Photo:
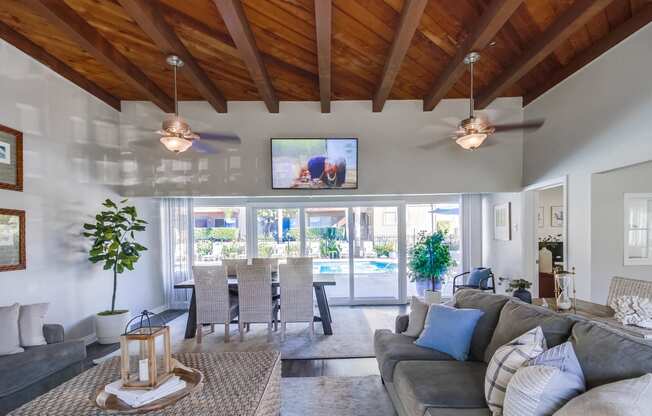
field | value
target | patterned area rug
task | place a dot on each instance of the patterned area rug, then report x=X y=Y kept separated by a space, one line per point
x=334 y=396
x=353 y=332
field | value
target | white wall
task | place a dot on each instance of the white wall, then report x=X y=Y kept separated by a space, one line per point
x=596 y=120
x=71 y=155
x=391 y=157
x=607 y=225
x=504 y=257
x=548 y=198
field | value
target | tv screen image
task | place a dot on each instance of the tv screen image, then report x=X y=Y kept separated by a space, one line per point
x=323 y=163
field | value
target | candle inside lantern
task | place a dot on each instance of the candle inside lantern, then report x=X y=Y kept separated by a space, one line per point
x=143 y=369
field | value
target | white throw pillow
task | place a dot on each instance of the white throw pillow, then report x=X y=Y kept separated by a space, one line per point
x=506 y=361
x=9 y=338
x=631 y=397
x=30 y=324
x=418 y=312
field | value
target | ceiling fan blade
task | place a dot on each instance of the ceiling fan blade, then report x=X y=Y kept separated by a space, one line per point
x=200 y=147
x=228 y=138
x=526 y=125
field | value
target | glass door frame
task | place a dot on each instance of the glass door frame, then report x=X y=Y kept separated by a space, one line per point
x=301 y=203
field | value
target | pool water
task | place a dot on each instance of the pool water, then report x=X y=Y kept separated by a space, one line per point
x=361 y=266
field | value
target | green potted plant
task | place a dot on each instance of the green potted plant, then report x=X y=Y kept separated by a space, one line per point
x=519 y=288
x=429 y=260
x=114 y=246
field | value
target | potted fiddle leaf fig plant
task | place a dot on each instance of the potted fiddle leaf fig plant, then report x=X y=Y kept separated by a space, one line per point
x=114 y=245
x=430 y=258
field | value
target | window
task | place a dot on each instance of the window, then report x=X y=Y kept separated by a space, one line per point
x=389 y=218
x=638 y=229
x=219 y=234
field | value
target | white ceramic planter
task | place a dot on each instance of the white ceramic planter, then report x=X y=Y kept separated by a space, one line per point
x=431 y=297
x=108 y=328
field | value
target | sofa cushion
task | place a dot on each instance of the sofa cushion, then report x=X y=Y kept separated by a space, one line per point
x=10 y=339
x=35 y=363
x=392 y=348
x=518 y=317
x=417 y=319
x=439 y=384
x=607 y=355
x=491 y=305
x=440 y=411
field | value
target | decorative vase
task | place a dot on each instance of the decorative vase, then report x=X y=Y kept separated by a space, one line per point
x=432 y=296
x=108 y=328
x=523 y=294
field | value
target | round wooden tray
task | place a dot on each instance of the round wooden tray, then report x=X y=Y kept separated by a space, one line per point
x=111 y=404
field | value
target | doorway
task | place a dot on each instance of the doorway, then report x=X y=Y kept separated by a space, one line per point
x=546 y=240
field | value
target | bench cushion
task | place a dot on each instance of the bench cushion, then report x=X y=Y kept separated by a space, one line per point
x=607 y=355
x=440 y=384
x=516 y=318
x=392 y=348
x=491 y=305
x=36 y=363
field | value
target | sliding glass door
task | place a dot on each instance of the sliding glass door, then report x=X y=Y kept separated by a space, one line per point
x=327 y=241
x=375 y=253
x=278 y=232
x=219 y=233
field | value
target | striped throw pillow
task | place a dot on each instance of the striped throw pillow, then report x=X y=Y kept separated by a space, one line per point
x=506 y=361
x=545 y=384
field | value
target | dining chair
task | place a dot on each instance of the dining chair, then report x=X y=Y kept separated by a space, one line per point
x=295 y=279
x=255 y=298
x=297 y=261
x=264 y=261
x=232 y=264
x=214 y=303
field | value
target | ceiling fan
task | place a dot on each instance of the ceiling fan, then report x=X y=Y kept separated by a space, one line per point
x=474 y=130
x=176 y=134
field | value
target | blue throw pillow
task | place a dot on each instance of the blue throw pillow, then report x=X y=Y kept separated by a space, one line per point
x=449 y=330
x=478 y=275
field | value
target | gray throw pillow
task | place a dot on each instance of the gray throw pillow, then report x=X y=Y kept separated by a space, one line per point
x=545 y=383
x=632 y=397
x=30 y=324
x=10 y=339
x=418 y=312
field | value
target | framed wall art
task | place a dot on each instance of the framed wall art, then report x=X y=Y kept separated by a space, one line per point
x=557 y=217
x=11 y=159
x=12 y=240
x=503 y=222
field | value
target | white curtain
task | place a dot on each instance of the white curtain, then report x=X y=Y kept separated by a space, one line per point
x=176 y=233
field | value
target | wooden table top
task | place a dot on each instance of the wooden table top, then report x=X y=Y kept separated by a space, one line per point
x=233 y=282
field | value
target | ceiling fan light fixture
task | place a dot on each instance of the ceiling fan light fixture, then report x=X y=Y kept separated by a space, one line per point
x=471 y=141
x=176 y=144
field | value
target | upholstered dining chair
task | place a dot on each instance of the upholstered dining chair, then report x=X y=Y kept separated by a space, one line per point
x=255 y=298
x=214 y=303
x=264 y=261
x=232 y=264
x=481 y=278
x=295 y=279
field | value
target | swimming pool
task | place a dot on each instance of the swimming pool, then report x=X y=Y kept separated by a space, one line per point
x=375 y=266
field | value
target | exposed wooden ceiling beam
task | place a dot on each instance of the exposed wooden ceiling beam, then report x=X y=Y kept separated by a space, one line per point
x=622 y=32
x=236 y=22
x=73 y=25
x=410 y=18
x=148 y=16
x=30 y=48
x=323 y=23
x=486 y=28
x=576 y=16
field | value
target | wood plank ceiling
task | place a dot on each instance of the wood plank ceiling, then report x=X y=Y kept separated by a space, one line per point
x=317 y=50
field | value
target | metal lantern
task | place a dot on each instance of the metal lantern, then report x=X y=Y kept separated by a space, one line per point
x=144 y=369
x=565 y=290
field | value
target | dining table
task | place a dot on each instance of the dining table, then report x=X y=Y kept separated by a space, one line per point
x=319 y=284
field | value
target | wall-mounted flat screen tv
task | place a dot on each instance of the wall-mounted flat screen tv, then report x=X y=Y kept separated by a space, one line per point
x=322 y=163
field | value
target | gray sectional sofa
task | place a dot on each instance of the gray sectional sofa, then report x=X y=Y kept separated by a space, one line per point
x=425 y=382
x=33 y=372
